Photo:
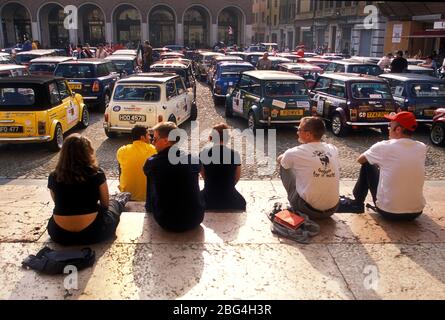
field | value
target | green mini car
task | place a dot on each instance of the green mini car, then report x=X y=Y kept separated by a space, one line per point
x=268 y=98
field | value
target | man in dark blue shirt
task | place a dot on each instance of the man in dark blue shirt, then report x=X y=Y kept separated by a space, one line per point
x=173 y=194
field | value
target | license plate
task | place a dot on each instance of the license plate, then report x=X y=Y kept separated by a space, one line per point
x=132 y=117
x=75 y=86
x=374 y=115
x=428 y=113
x=11 y=129
x=297 y=112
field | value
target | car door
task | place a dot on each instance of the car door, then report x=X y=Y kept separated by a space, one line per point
x=239 y=94
x=173 y=102
x=70 y=104
x=59 y=108
x=184 y=99
x=320 y=96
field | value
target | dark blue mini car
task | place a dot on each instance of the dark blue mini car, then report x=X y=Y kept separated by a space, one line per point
x=94 y=79
x=227 y=75
x=417 y=93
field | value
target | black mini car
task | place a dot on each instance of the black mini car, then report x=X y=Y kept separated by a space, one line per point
x=350 y=101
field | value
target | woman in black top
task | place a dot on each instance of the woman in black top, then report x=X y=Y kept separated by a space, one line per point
x=221 y=171
x=83 y=212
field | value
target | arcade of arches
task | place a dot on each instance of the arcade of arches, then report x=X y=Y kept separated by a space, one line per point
x=196 y=27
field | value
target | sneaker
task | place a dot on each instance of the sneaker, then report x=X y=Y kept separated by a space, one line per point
x=348 y=205
x=122 y=198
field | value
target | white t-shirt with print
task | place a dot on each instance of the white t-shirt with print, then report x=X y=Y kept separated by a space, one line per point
x=402 y=174
x=317 y=173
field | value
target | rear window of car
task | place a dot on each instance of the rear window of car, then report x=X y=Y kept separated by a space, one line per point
x=17 y=97
x=47 y=67
x=231 y=71
x=123 y=65
x=137 y=93
x=364 y=69
x=428 y=89
x=25 y=58
x=370 y=90
x=75 y=71
x=285 y=88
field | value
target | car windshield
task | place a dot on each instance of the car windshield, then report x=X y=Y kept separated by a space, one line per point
x=364 y=69
x=285 y=88
x=370 y=90
x=75 y=71
x=21 y=97
x=431 y=89
x=146 y=93
x=123 y=65
x=48 y=67
x=306 y=74
x=24 y=58
x=234 y=71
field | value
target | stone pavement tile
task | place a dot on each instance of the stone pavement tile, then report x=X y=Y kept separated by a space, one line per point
x=17 y=194
x=392 y=271
x=183 y=271
x=24 y=223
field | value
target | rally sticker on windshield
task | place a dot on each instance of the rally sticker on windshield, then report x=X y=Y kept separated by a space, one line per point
x=303 y=104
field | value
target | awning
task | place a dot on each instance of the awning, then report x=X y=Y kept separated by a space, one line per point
x=427 y=34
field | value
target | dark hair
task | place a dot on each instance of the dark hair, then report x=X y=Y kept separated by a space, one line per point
x=138 y=131
x=164 y=128
x=221 y=129
x=77 y=160
x=314 y=125
x=400 y=53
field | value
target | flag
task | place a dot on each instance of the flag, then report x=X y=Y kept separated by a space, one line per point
x=230 y=30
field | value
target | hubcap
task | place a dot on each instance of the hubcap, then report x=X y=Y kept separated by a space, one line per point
x=437 y=134
x=85 y=117
x=336 y=125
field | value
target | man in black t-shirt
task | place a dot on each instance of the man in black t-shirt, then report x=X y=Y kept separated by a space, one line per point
x=399 y=64
x=221 y=171
x=173 y=188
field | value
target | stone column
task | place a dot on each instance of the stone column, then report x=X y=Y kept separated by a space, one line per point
x=73 y=36
x=248 y=32
x=144 y=32
x=179 y=34
x=108 y=32
x=213 y=34
x=36 y=31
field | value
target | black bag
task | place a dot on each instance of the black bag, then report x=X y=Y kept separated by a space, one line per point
x=50 y=261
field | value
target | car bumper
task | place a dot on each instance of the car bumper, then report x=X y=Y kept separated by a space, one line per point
x=25 y=139
x=269 y=122
x=91 y=98
x=368 y=124
x=117 y=129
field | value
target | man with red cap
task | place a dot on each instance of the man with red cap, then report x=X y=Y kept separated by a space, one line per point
x=394 y=171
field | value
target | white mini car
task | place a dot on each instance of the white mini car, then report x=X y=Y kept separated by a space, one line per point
x=147 y=100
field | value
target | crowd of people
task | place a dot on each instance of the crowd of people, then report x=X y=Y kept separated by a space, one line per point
x=392 y=171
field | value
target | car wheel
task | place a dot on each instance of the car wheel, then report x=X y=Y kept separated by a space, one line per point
x=56 y=143
x=172 y=118
x=229 y=111
x=85 y=121
x=252 y=123
x=337 y=127
x=437 y=134
x=110 y=134
x=105 y=102
x=193 y=112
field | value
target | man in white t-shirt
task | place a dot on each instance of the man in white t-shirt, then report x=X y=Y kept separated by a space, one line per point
x=394 y=171
x=310 y=172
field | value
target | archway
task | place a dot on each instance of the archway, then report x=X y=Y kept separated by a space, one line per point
x=16 y=24
x=196 y=27
x=91 y=24
x=54 y=34
x=162 y=26
x=230 y=26
x=127 y=21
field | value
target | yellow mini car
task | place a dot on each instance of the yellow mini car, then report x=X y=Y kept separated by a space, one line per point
x=39 y=109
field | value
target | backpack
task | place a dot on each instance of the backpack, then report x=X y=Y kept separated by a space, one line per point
x=50 y=261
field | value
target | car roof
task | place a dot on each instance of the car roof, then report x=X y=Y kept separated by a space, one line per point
x=350 y=77
x=4 y=67
x=350 y=61
x=272 y=75
x=125 y=52
x=409 y=77
x=419 y=68
x=210 y=53
x=235 y=63
x=156 y=77
x=279 y=59
x=311 y=59
x=37 y=52
x=256 y=53
x=30 y=79
x=52 y=59
x=4 y=54
x=86 y=61
x=300 y=66
x=232 y=58
x=171 y=65
x=121 y=57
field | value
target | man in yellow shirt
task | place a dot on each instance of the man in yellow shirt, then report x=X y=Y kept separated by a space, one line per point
x=132 y=158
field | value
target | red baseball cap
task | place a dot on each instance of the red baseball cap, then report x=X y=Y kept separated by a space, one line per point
x=406 y=119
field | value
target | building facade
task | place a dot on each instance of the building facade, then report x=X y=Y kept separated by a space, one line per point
x=193 y=23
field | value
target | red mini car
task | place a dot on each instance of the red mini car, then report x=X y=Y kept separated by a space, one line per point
x=437 y=134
